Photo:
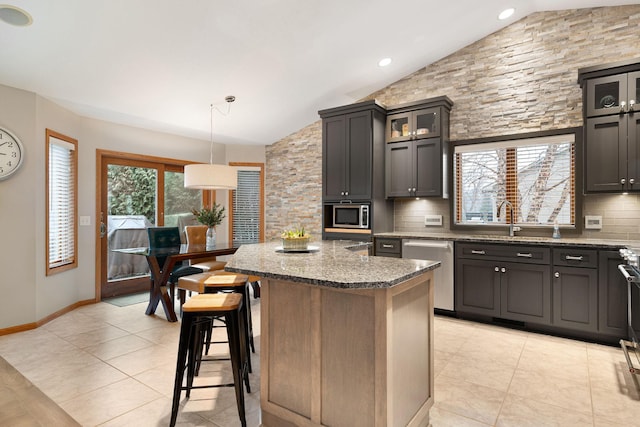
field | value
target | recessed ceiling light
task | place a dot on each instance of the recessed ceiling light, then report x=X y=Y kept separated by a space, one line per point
x=384 y=62
x=15 y=16
x=506 y=13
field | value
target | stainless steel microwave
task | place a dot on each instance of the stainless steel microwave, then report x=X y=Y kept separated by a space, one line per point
x=350 y=215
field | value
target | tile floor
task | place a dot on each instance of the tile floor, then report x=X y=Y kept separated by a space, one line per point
x=114 y=366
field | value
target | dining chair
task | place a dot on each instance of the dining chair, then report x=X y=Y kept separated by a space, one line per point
x=197 y=235
x=169 y=237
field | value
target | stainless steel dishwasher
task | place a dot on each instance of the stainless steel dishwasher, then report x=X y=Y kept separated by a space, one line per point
x=435 y=250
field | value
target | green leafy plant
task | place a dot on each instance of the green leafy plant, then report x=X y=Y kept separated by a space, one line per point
x=295 y=233
x=210 y=217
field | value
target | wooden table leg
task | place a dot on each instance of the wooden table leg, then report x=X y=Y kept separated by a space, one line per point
x=158 y=292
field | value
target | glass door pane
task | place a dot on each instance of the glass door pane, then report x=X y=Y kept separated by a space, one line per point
x=604 y=95
x=427 y=123
x=634 y=91
x=131 y=208
x=179 y=201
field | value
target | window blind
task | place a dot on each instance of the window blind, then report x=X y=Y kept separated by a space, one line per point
x=246 y=207
x=62 y=203
x=537 y=176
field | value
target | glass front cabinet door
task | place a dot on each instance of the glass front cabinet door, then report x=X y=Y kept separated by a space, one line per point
x=418 y=124
x=617 y=94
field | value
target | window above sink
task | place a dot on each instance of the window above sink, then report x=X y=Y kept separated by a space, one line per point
x=535 y=172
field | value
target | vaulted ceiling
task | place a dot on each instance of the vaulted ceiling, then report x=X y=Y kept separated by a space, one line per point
x=159 y=64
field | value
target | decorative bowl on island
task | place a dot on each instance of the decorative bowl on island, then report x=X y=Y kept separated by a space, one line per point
x=295 y=240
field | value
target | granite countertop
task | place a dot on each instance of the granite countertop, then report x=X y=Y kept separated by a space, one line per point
x=334 y=264
x=528 y=240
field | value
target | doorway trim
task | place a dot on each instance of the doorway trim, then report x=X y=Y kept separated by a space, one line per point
x=101 y=157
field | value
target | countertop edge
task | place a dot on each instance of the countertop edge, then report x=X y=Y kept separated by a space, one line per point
x=525 y=240
x=334 y=284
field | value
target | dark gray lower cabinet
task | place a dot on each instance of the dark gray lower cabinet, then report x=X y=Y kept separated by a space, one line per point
x=390 y=248
x=501 y=289
x=612 y=295
x=477 y=287
x=525 y=292
x=575 y=298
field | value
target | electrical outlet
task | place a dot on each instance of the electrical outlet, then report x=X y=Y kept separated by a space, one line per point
x=593 y=222
x=433 y=220
x=85 y=220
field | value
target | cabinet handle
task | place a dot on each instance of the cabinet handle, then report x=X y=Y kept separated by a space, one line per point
x=632 y=102
x=556 y=275
x=523 y=255
x=573 y=258
x=503 y=270
x=409 y=190
x=384 y=245
x=346 y=193
x=631 y=181
x=622 y=105
x=496 y=269
x=622 y=181
x=414 y=189
x=475 y=252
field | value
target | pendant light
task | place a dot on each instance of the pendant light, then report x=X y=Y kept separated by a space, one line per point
x=209 y=176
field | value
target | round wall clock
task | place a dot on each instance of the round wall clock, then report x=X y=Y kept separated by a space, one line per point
x=11 y=153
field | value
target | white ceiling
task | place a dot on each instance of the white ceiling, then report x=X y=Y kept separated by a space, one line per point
x=159 y=64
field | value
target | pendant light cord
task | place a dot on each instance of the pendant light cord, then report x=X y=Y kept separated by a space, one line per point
x=229 y=100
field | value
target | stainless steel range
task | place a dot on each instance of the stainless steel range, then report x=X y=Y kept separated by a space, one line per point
x=631 y=272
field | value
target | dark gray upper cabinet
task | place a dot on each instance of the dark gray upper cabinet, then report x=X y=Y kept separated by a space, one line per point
x=417 y=137
x=612 y=127
x=347 y=147
x=412 y=168
x=413 y=124
x=350 y=159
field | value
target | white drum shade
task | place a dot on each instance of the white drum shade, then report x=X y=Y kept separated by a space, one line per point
x=210 y=177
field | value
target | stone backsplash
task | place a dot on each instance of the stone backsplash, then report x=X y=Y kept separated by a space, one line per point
x=522 y=78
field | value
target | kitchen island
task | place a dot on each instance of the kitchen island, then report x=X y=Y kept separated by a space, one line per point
x=346 y=338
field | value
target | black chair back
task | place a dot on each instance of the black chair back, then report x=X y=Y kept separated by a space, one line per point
x=163 y=238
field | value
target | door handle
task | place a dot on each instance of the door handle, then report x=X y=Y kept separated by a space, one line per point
x=103 y=227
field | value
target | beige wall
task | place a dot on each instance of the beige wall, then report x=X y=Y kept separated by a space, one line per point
x=29 y=295
x=18 y=213
x=520 y=79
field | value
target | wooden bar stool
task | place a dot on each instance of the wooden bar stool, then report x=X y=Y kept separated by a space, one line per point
x=196 y=319
x=192 y=283
x=219 y=281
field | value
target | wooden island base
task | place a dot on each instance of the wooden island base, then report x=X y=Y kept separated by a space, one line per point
x=346 y=357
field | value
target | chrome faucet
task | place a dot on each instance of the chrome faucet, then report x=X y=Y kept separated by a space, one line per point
x=512 y=228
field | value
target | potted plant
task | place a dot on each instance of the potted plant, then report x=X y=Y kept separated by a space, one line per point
x=295 y=239
x=210 y=218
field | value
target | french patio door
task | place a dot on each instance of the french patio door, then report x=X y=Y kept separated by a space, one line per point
x=136 y=192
